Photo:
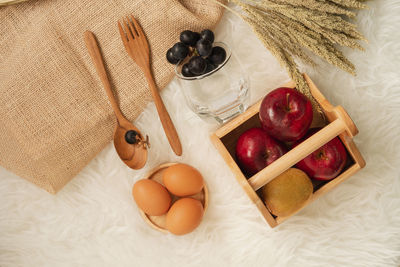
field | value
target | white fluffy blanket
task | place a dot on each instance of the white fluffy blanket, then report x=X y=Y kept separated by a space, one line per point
x=93 y=221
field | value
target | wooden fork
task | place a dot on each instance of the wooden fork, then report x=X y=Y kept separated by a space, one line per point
x=136 y=45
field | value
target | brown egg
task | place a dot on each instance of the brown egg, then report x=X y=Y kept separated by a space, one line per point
x=184 y=216
x=151 y=197
x=183 y=180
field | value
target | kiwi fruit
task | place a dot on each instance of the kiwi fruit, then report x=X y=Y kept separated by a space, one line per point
x=288 y=192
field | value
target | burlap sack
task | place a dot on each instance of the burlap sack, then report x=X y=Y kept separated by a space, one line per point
x=54 y=113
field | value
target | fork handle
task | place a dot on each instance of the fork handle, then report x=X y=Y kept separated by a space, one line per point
x=95 y=54
x=165 y=119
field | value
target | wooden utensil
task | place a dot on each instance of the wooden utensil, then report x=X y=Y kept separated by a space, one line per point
x=133 y=155
x=135 y=43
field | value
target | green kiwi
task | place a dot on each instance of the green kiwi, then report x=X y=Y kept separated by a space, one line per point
x=288 y=192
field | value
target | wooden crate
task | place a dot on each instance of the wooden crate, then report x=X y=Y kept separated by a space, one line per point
x=339 y=124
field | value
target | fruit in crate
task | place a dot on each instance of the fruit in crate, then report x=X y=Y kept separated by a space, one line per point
x=255 y=150
x=287 y=193
x=326 y=162
x=196 y=52
x=286 y=114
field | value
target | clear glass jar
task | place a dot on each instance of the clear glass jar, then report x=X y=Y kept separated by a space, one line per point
x=221 y=94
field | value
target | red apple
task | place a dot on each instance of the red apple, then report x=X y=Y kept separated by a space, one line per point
x=326 y=162
x=286 y=114
x=255 y=150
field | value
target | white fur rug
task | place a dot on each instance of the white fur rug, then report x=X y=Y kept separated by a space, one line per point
x=93 y=221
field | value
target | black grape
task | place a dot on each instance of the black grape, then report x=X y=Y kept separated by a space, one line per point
x=170 y=57
x=204 y=47
x=180 y=50
x=197 y=65
x=207 y=35
x=210 y=66
x=218 y=55
x=185 y=71
x=189 y=38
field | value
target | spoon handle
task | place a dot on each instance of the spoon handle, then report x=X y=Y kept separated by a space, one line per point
x=95 y=54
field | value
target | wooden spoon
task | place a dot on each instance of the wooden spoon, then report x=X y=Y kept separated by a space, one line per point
x=133 y=155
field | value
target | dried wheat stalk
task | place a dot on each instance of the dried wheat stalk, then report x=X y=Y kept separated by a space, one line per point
x=10 y=2
x=288 y=28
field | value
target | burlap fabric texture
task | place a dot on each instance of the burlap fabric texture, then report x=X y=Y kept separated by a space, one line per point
x=54 y=113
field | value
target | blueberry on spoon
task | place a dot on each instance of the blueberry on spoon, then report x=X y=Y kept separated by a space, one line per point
x=132 y=137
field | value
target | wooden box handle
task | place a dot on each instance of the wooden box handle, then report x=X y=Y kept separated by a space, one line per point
x=298 y=153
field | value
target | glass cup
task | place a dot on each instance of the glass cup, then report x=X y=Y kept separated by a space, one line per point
x=220 y=94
